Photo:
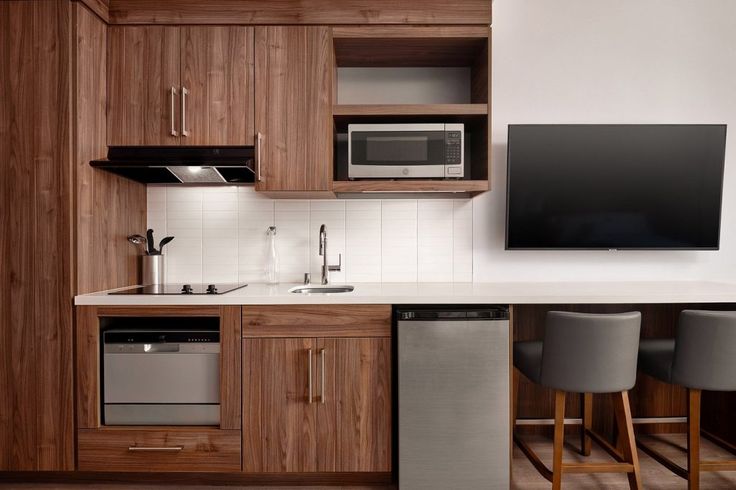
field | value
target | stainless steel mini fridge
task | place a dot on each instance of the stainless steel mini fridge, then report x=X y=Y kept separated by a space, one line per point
x=453 y=398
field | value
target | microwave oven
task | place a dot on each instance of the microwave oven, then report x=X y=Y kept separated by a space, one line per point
x=409 y=151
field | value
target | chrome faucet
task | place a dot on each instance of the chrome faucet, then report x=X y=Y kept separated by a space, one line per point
x=326 y=269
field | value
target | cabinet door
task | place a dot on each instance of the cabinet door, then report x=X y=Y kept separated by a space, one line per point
x=143 y=67
x=279 y=423
x=354 y=418
x=217 y=75
x=294 y=108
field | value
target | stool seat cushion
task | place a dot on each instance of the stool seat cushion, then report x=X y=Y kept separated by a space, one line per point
x=528 y=359
x=656 y=357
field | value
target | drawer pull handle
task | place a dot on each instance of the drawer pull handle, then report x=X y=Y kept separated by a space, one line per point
x=173 y=131
x=184 y=93
x=322 y=384
x=166 y=449
x=309 y=371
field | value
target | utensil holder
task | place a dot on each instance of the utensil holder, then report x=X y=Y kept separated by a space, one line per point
x=153 y=269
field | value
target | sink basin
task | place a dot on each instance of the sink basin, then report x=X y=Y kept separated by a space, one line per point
x=328 y=289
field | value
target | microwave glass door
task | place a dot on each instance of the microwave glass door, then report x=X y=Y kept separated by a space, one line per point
x=398 y=148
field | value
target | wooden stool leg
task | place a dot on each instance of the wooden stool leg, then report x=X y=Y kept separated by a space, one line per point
x=514 y=398
x=559 y=440
x=586 y=413
x=693 y=439
x=626 y=437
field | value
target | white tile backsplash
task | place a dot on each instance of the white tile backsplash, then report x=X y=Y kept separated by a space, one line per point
x=221 y=236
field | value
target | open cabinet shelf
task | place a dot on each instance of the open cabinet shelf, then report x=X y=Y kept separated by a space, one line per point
x=340 y=110
x=413 y=74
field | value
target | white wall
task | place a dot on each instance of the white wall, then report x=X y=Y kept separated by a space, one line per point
x=596 y=61
x=564 y=61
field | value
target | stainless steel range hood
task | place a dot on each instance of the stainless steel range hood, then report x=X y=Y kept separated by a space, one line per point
x=181 y=164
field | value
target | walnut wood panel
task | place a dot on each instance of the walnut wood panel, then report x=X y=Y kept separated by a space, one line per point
x=317 y=321
x=143 y=65
x=300 y=12
x=101 y=8
x=108 y=207
x=468 y=186
x=364 y=480
x=159 y=310
x=294 y=108
x=88 y=357
x=230 y=368
x=88 y=367
x=217 y=70
x=480 y=92
x=279 y=423
x=202 y=449
x=36 y=426
x=362 y=403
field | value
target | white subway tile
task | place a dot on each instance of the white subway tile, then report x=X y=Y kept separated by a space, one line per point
x=292 y=239
x=462 y=240
x=399 y=241
x=221 y=236
x=434 y=240
x=155 y=194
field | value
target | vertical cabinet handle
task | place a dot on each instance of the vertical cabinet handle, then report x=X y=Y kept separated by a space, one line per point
x=259 y=139
x=309 y=371
x=184 y=93
x=173 y=108
x=322 y=374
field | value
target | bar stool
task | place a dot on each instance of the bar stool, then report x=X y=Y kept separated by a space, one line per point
x=702 y=356
x=584 y=353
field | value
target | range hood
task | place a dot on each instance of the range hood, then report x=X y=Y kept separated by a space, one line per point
x=181 y=164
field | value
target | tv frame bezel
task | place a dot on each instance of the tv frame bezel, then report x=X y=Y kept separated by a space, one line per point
x=613 y=249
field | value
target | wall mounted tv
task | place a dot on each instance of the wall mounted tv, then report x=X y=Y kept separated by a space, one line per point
x=614 y=186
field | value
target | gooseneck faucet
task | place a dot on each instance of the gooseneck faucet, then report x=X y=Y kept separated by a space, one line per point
x=326 y=269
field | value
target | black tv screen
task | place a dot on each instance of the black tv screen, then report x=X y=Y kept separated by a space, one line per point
x=614 y=186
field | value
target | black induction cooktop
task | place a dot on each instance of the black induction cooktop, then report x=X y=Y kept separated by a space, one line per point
x=177 y=288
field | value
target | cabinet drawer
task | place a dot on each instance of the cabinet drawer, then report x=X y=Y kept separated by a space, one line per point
x=144 y=450
x=317 y=321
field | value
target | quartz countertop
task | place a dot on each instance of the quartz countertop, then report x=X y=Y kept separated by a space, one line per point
x=447 y=293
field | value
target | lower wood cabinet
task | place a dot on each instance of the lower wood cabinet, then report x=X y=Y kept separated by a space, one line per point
x=162 y=449
x=317 y=404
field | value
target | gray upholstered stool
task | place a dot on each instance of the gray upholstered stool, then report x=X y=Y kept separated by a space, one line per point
x=584 y=353
x=702 y=356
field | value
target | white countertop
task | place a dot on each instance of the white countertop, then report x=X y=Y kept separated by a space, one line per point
x=450 y=293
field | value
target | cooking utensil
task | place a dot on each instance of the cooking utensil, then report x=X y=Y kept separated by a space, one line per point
x=164 y=242
x=138 y=240
x=149 y=237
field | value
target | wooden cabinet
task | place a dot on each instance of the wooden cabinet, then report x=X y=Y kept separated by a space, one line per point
x=293 y=107
x=170 y=85
x=142 y=75
x=148 y=450
x=359 y=395
x=317 y=403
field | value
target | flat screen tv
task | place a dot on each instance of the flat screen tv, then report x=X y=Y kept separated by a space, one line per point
x=614 y=186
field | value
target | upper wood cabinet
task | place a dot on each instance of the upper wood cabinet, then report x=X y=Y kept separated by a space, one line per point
x=170 y=85
x=217 y=72
x=293 y=107
x=142 y=70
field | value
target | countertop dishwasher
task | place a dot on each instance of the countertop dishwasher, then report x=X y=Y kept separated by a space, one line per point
x=453 y=403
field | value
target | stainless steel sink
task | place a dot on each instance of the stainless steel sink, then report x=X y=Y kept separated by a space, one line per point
x=328 y=289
